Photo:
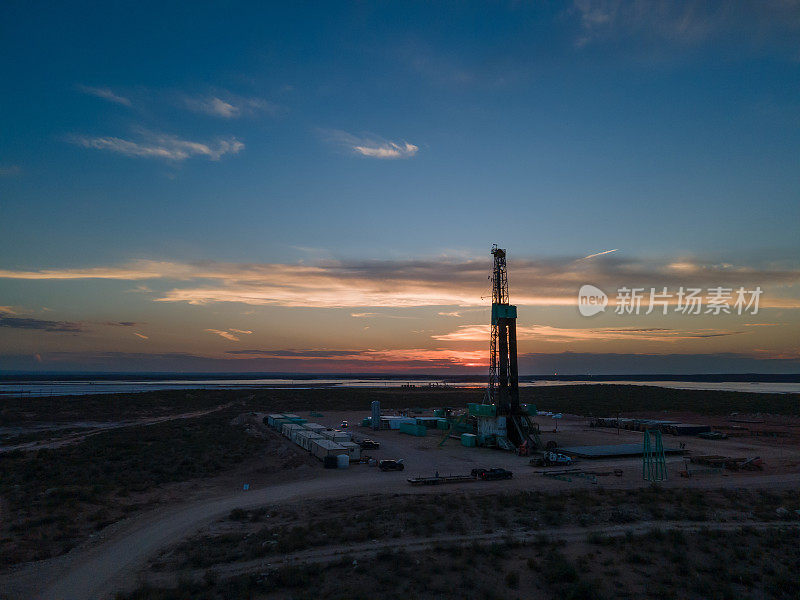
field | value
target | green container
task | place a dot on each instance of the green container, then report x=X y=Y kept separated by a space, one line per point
x=442 y=424
x=470 y=440
x=482 y=410
x=366 y=421
x=413 y=429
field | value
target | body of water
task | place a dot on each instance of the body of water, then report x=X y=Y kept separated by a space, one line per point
x=121 y=386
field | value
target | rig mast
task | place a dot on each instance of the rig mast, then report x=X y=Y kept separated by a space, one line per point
x=503 y=388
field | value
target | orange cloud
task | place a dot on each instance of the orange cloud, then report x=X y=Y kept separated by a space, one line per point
x=545 y=333
x=230 y=334
x=411 y=283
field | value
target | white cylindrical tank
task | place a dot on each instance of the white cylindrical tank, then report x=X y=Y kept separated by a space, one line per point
x=376 y=415
x=342 y=461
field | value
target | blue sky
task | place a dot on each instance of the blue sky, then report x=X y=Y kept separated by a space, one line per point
x=310 y=134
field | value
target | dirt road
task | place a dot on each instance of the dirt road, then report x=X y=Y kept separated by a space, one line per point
x=110 y=563
x=95 y=428
x=334 y=553
x=111 y=560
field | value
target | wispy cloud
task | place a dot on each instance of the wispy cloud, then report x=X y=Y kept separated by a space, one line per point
x=161 y=146
x=229 y=106
x=599 y=253
x=104 y=93
x=431 y=357
x=546 y=333
x=141 y=335
x=427 y=282
x=40 y=324
x=682 y=23
x=9 y=170
x=371 y=146
x=387 y=150
x=230 y=334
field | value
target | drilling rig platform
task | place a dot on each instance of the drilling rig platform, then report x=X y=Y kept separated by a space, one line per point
x=501 y=420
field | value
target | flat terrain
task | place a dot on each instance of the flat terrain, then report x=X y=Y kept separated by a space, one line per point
x=197 y=499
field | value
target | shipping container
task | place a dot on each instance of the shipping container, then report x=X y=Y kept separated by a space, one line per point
x=395 y=422
x=305 y=438
x=322 y=448
x=271 y=419
x=470 y=440
x=353 y=450
x=279 y=422
x=335 y=435
x=413 y=429
x=288 y=429
x=482 y=410
x=688 y=429
x=314 y=427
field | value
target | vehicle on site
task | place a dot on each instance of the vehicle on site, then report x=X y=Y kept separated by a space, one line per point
x=492 y=474
x=344 y=425
x=552 y=458
x=369 y=444
x=391 y=465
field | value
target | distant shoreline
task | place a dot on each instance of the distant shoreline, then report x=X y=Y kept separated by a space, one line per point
x=89 y=385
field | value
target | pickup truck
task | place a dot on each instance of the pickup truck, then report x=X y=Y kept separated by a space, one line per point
x=491 y=474
x=552 y=458
x=391 y=465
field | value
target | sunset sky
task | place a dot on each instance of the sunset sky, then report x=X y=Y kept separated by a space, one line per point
x=316 y=187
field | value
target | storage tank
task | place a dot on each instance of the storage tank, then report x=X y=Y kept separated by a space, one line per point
x=342 y=461
x=376 y=414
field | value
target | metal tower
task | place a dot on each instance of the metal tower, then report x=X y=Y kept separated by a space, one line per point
x=503 y=388
x=654 y=464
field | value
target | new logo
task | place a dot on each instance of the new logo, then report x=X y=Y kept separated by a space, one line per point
x=591 y=300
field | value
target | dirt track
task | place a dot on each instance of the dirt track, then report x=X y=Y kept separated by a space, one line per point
x=111 y=561
x=335 y=553
x=74 y=438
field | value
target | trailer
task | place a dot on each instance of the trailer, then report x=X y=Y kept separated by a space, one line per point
x=441 y=480
x=353 y=450
x=304 y=439
x=335 y=435
x=322 y=448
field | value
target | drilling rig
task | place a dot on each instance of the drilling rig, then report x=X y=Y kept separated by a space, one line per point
x=511 y=423
x=501 y=421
